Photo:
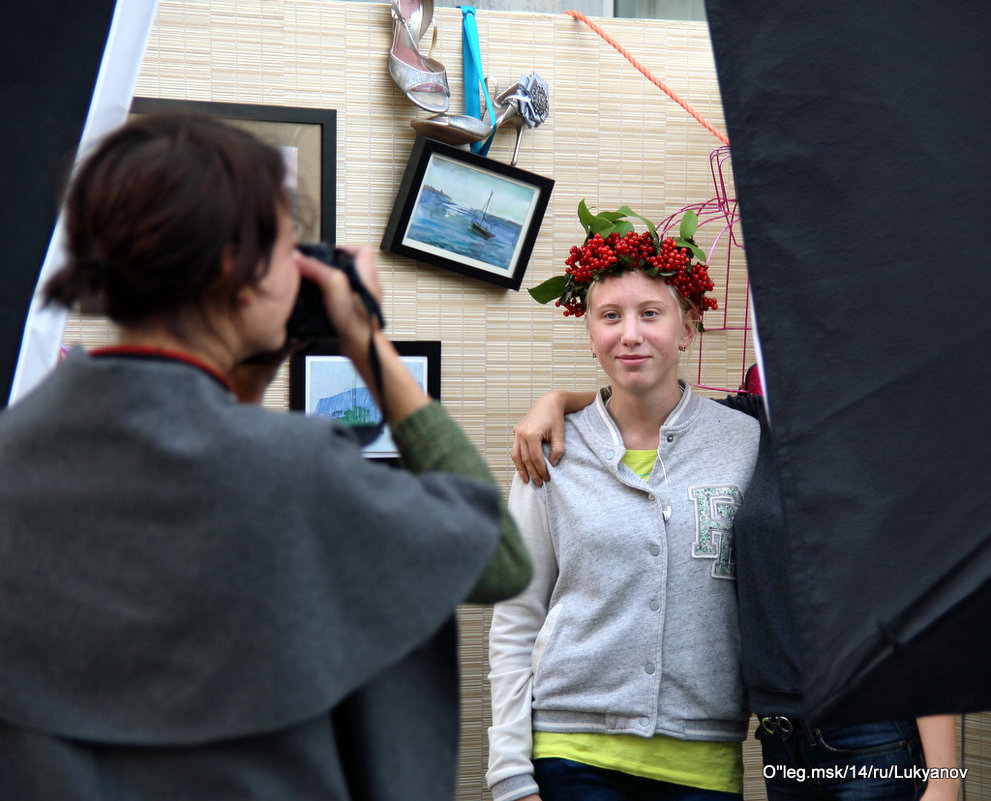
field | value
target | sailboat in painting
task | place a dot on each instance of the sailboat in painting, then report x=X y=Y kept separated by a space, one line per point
x=478 y=226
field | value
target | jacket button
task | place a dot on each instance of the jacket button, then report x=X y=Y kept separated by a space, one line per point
x=645 y=722
x=655 y=605
x=648 y=668
x=670 y=437
x=650 y=497
x=654 y=550
x=609 y=454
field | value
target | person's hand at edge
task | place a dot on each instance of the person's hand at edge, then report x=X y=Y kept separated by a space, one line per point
x=938 y=735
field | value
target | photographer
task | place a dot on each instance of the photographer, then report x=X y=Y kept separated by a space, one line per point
x=204 y=599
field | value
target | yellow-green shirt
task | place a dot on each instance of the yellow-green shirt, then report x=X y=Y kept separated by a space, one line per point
x=641 y=462
x=694 y=763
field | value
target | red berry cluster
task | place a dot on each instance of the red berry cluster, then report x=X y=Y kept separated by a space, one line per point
x=573 y=306
x=691 y=281
x=597 y=255
x=636 y=247
x=584 y=261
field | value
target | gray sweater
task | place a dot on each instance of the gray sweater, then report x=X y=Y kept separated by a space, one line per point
x=630 y=623
x=207 y=600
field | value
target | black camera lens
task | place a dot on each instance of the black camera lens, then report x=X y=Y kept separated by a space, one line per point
x=309 y=318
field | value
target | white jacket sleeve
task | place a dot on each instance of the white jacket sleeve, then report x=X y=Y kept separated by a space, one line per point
x=515 y=626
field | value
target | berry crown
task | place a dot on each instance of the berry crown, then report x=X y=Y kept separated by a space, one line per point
x=612 y=245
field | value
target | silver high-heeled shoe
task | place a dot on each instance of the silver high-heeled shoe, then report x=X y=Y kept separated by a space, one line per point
x=524 y=104
x=422 y=79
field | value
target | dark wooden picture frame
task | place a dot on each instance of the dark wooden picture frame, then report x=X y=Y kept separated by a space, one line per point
x=467 y=213
x=323 y=382
x=306 y=136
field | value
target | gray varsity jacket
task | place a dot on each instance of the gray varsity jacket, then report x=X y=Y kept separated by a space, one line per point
x=630 y=623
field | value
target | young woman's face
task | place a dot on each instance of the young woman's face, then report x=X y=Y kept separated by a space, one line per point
x=266 y=306
x=635 y=327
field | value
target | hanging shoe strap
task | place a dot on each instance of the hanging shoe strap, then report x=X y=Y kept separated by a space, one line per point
x=472 y=57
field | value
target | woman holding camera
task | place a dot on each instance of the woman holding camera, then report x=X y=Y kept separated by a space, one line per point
x=204 y=599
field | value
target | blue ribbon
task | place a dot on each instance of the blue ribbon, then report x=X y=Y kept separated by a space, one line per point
x=472 y=57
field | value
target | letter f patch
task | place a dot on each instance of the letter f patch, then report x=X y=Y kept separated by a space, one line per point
x=714 y=511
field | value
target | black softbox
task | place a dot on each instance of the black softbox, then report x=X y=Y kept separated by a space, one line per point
x=50 y=54
x=859 y=140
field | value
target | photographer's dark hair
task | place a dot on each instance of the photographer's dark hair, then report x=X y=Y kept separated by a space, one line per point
x=152 y=211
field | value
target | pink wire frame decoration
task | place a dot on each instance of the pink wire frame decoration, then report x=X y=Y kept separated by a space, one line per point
x=719 y=210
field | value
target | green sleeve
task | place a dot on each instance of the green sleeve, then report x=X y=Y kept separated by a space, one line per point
x=429 y=440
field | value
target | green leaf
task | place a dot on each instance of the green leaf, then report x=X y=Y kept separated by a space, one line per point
x=623 y=227
x=628 y=212
x=612 y=216
x=549 y=290
x=585 y=217
x=696 y=250
x=600 y=225
x=689 y=224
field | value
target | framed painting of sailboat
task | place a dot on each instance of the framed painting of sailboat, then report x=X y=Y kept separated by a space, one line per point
x=324 y=383
x=467 y=213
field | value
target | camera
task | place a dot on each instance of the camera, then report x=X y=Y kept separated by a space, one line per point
x=309 y=318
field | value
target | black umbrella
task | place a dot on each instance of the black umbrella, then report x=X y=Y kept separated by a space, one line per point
x=859 y=136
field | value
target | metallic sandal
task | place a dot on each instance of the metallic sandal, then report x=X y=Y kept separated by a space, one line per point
x=524 y=104
x=422 y=79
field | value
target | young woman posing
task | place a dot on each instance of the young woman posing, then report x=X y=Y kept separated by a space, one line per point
x=615 y=674
x=791 y=746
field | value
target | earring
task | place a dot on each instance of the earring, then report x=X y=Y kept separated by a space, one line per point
x=683 y=348
x=593 y=355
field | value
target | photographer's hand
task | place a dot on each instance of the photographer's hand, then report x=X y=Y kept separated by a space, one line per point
x=355 y=329
x=345 y=309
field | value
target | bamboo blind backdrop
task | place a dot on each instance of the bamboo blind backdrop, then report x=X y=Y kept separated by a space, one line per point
x=612 y=138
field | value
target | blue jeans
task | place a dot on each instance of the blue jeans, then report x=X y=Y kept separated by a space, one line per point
x=564 y=780
x=865 y=762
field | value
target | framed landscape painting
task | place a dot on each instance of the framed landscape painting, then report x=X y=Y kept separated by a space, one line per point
x=467 y=213
x=324 y=383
